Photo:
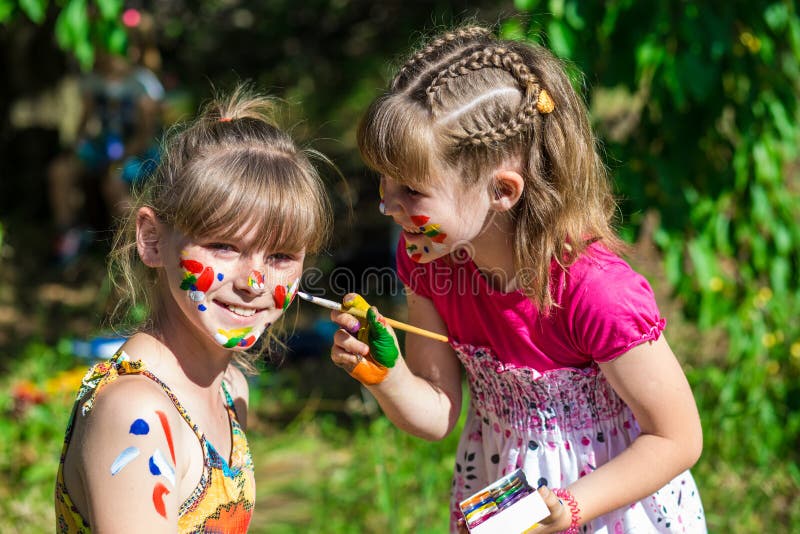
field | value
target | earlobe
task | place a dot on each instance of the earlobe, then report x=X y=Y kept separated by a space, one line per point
x=148 y=235
x=508 y=186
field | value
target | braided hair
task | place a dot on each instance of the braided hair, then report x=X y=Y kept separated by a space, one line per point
x=470 y=102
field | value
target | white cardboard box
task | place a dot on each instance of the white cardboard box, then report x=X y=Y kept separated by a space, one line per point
x=516 y=518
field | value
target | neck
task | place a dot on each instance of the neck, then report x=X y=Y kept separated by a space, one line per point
x=199 y=358
x=493 y=251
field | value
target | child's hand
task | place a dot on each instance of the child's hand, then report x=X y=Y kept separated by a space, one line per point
x=560 y=518
x=369 y=357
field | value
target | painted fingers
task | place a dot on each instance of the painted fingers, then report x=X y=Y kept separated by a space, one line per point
x=365 y=349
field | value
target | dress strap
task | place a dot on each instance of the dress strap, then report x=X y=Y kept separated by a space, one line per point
x=178 y=406
x=104 y=373
x=229 y=404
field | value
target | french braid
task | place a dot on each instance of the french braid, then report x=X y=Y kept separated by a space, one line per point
x=508 y=60
x=435 y=47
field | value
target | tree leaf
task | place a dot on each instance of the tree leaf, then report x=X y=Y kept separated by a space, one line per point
x=6 y=10
x=109 y=9
x=35 y=9
x=562 y=39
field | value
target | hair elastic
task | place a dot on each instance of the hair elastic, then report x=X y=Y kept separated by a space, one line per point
x=544 y=103
x=225 y=119
x=575 y=512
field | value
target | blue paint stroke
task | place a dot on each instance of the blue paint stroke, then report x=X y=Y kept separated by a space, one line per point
x=160 y=466
x=220 y=276
x=124 y=458
x=140 y=427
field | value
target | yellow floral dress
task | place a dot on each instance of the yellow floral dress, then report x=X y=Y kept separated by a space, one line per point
x=224 y=498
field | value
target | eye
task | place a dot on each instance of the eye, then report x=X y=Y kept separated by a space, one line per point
x=222 y=247
x=410 y=192
x=281 y=256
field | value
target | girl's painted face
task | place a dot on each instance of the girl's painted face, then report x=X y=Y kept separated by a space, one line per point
x=228 y=291
x=437 y=221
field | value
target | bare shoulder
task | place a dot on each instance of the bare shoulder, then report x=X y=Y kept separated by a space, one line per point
x=131 y=409
x=130 y=446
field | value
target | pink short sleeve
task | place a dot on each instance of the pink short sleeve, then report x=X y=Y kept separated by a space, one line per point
x=416 y=276
x=612 y=310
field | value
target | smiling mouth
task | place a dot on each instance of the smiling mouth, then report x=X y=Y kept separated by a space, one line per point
x=239 y=310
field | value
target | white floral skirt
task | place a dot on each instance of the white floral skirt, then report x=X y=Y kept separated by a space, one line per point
x=558 y=426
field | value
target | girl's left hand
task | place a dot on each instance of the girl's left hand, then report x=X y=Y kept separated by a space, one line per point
x=560 y=518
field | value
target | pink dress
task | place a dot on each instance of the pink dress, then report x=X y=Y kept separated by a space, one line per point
x=538 y=398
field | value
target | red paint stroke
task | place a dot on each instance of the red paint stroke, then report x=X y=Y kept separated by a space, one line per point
x=192 y=266
x=165 y=425
x=204 y=280
x=158 y=499
x=420 y=220
x=416 y=257
x=439 y=238
x=280 y=296
x=247 y=341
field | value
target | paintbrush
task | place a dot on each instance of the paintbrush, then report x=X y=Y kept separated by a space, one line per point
x=331 y=305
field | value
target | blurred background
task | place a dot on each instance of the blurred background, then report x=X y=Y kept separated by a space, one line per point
x=696 y=105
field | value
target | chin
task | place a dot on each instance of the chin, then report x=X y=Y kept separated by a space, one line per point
x=425 y=254
x=237 y=339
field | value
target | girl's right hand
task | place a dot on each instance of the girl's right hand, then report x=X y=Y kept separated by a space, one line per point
x=367 y=357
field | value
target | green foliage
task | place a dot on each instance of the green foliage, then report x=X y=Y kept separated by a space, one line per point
x=697 y=107
x=81 y=26
x=31 y=433
x=374 y=478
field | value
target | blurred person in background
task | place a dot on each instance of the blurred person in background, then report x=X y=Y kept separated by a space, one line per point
x=117 y=142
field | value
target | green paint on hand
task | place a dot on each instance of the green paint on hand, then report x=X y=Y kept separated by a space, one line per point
x=381 y=343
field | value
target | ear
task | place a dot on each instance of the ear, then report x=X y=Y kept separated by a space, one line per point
x=507 y=187
x=148 y=237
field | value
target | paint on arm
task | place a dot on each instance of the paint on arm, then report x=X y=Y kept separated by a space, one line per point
x=158 y=464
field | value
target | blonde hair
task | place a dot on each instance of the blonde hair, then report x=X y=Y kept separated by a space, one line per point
x=470 y=102
x=227 y=173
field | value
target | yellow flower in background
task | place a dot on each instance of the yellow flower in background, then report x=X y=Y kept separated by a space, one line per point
x=773 y=368
x=716 y=284
x=65 y=381
x=768 y=340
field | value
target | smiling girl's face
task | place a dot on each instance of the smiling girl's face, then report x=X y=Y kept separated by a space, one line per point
x=226 y=289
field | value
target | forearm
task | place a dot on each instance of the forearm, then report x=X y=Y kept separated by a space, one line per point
x=416 y=405
x=646 y=466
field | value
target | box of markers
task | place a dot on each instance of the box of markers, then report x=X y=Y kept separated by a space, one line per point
x=508 y=506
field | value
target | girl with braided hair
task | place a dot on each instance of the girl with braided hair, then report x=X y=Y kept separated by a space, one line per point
x=489 y=166
x=216 y=243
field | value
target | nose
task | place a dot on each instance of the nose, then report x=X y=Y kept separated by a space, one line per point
x=255 y=281
x=250 y=276
x=389 y=204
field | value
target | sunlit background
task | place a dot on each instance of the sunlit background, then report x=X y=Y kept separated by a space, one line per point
x=696 y=106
